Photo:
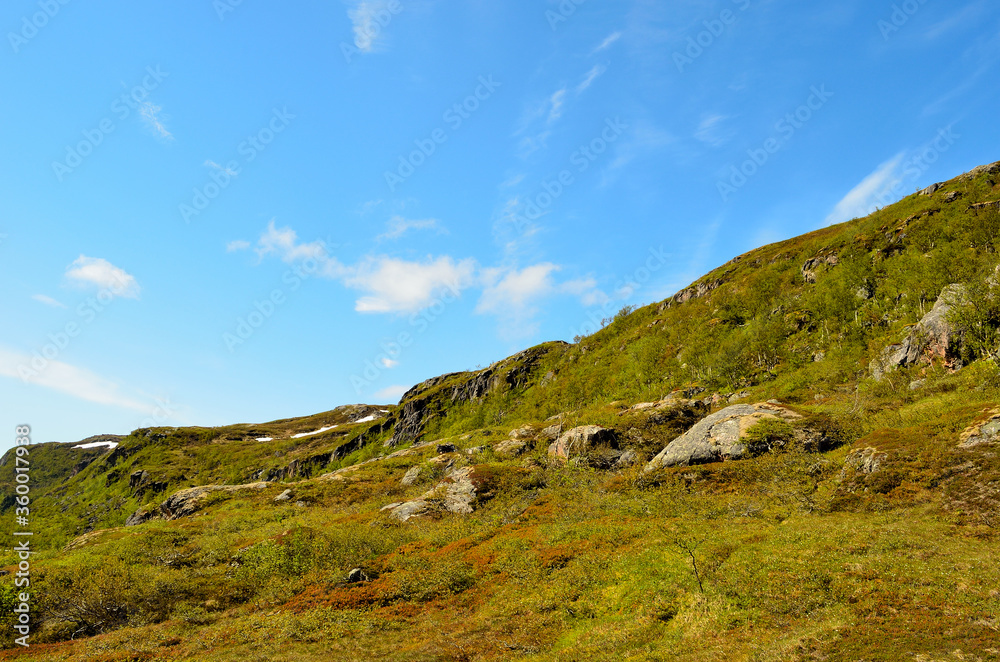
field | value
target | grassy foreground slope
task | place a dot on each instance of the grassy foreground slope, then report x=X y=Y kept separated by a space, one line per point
x=879 y=545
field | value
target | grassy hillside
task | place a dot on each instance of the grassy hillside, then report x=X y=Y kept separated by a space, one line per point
x=863 y=527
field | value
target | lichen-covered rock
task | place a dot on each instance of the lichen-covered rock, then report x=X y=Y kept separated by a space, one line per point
x=511 y=448
x=718 y=436
x=412 y=476
x=986 y=432
x=189 y=501
x=865 y=460
x=930 y=339
x=455 y=494
x=580 y=440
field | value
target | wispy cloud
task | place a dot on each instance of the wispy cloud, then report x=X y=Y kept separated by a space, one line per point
x=237 y=245
x=608 y=41
x=556 y=102
x=98 y=272
x=71 y=380
x=150 y=114
x=398 y=226
x=48 y=301
x=863 y=198
x=216 y=166
x=591 y=76
x=712 y=131
x=364 y=19
x=391 y=393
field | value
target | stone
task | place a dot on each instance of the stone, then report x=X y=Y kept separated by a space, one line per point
x=356 y=576
x=284 y=496
x=446 y=448
x=917 y=384
x=718 y=437
x=930 y=339
x=579 y=440
x=985 y=432
x=138 y=479
x=952 y=196
x=932 y=189
x=455 y=494
x=511 y=448
x=627 y=459
x=523 y=432
x=188 y=501
x=865 y=461
x=412 y=475
x=552 y=432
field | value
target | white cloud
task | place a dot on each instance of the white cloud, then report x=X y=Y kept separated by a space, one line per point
x=556 y=103
x=398 y=226
x=863 y=198
x=101 y=273
x=510 y=290
x=237 y=245
x=608 y=41
x=388 y=363
x=399 y=286
x=393 y=393
x=364 y=18
x=65 y=378
x=591 y=76
x=48 y=301
x=284 y=243
x=150 y=113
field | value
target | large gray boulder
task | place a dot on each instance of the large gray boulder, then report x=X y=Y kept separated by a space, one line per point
x=983 y=432
x=580 y=440
x=930 y=339
x=718 y=436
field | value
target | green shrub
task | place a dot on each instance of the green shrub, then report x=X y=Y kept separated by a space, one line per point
x=766 y=435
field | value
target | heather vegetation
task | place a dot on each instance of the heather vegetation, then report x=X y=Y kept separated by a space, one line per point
x=859 y=524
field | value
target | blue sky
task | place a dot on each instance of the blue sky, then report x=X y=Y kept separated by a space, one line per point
x=216 y=211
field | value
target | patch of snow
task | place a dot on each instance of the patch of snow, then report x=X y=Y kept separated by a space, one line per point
x=309 y=434
x=384 y=411
x=366 y=419
x=109 y=444
x=265 y=438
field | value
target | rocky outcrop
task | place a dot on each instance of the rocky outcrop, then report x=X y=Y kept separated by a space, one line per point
x=455 y=494
x=411 y=476
x=512 y=448
x=930 y=339
x=430 y=398
x=718 y=436
x=191 y=500
x=865 y=461
x=579 y=441
x=813 y=265
x=982 y=433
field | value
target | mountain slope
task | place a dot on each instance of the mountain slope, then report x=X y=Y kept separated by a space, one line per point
x=510 y=512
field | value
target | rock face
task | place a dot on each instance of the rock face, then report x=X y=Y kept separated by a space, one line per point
x=717 y=436
x=455 y=494
x=987 y=432
x=865 y=461
x=186 y=502
x=930 y=339
x=813 y=265
x=579 y=441
x=932 y=189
